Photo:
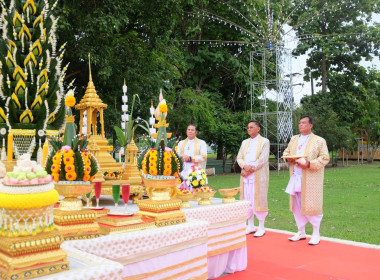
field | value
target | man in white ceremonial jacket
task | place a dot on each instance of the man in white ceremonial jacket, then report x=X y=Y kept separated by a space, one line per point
x=193 y=151
x=254 y=181
x=305 y=186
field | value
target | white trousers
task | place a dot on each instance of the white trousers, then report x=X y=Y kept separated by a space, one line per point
x=302 y=220
x=249 y=194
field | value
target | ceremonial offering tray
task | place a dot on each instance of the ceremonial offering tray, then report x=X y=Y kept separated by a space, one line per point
x=185 y=195
x=118 y=223
x=229 y=194
x=71 y=202
x=185 y=198
x=204 y=194
x=295 y=156
x=161 y=189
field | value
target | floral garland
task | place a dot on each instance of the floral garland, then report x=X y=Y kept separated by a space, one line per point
x=66 y=155
x=160 y=162
x=204 y=189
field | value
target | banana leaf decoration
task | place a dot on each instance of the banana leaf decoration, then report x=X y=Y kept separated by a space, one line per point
x=38 y=20
x=37 y=48
x=10 y=62
x=17 y=21
x=19 y=74
x=30 y=58
x=15 y=100
x=25 y=30
x=42 y=90
x=37 y=103
x=43 y=36
x=26 y=117
x=32 y=7
x=20 y=87
x=51 y=118
x=12 y=45
x=3 y=117
x=43 y=76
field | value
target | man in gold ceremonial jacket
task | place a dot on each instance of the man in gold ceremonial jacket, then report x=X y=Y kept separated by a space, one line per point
x=308 y=155
x=192 y=150
x=253 y=160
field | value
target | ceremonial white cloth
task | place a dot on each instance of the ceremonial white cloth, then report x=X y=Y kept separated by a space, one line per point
x=197 y=150
x=260 y=178
x=295 y=182
x=226 y=240
x=84 y=266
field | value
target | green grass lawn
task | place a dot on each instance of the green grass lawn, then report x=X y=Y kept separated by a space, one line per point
x=351 y=202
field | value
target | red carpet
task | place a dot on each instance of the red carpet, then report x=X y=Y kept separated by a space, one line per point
x=274 y=257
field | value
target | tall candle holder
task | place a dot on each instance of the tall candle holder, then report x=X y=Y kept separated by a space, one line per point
x=152 y=119
x=124 y=116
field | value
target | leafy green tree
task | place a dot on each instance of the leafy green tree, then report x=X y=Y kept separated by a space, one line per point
x=336 y=34
x=228 y=134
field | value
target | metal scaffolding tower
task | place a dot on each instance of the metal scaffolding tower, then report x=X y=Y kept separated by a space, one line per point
x=272 y=81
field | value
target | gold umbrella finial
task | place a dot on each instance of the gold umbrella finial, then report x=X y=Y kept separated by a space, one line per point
x=124 y=82
x=89 y=66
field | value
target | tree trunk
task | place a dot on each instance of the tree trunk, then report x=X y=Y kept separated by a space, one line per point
x=324 y=72
x=219 y=152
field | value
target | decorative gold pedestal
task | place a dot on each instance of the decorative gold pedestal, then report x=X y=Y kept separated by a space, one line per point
x=76 y=224
x=26 y=257
x=111 y=224
x=70 y=218
x=165 y=212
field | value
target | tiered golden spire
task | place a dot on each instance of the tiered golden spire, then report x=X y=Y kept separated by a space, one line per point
x=90 y=98
x=93 y=104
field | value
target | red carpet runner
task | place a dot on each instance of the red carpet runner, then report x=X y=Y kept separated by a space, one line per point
x=274 y=257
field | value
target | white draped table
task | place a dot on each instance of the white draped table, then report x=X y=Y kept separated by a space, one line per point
x=226 y=241
x=210 y=243
x=172 y=252
x=226 y=245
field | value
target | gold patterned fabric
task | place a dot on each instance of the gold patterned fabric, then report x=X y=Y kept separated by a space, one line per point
x=312 y=178
x=261 y=173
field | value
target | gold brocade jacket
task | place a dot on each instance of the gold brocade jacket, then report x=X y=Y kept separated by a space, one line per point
x=312 y=178
x=261 y=172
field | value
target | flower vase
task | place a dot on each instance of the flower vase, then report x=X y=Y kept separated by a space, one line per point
x=204 y=197
x=71 y=202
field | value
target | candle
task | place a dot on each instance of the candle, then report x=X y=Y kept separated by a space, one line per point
x=45 y=151
x=10 y=147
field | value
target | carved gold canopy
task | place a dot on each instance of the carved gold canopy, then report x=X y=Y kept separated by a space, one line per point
x=93 y=104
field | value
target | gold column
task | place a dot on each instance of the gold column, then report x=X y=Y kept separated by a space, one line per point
x=10 y=147
x=89 y=120
x=94 y=118
x=102 y=121
x=80 y=121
